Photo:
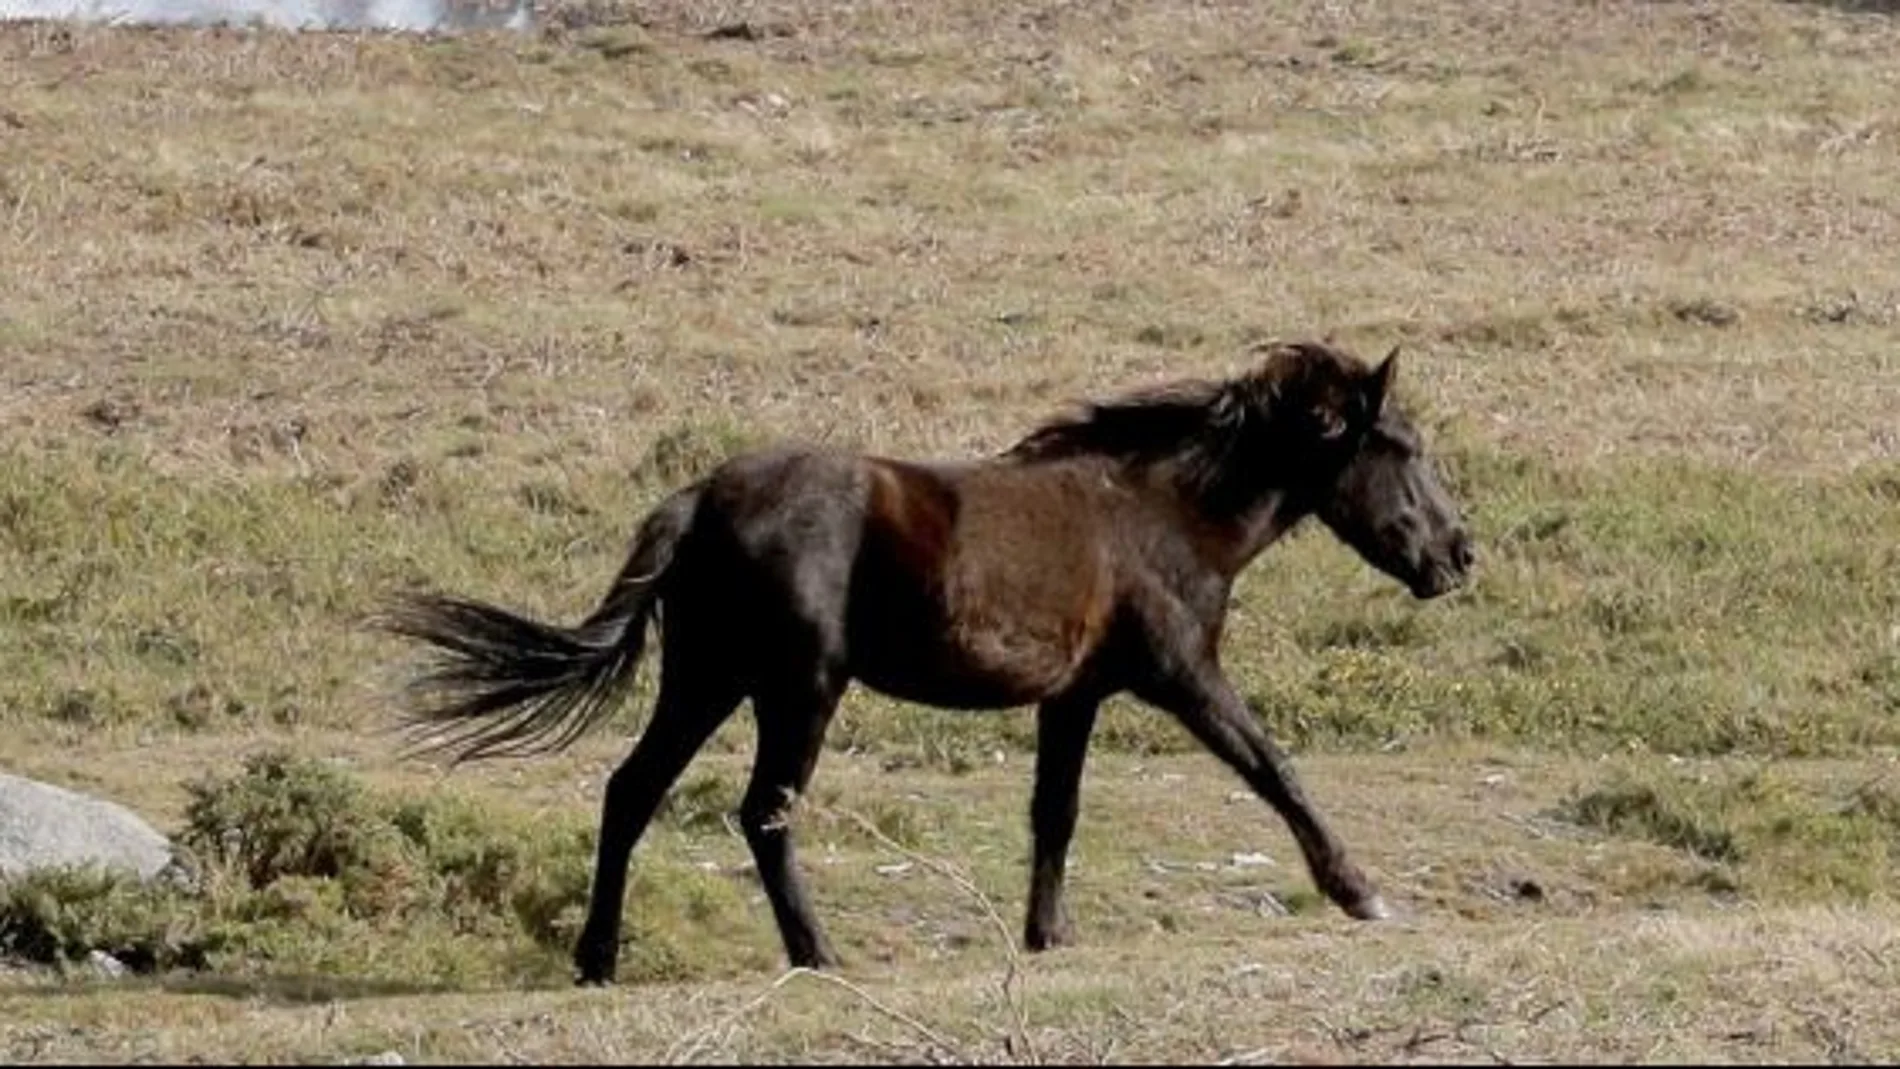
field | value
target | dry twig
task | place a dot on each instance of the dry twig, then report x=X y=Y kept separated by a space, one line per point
x=1011 y=984
x=691 y=1045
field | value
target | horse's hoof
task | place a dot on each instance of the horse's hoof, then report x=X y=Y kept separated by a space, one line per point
x=1039 y=940
x=820 y=958
x=592 y=981
x=592 y=970
x=1370 y=908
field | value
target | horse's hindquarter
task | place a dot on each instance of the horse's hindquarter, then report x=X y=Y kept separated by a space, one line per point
x=988 y=585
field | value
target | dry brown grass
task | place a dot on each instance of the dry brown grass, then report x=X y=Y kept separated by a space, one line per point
x=289 y=321
x=1785 y=986
x=243 y=250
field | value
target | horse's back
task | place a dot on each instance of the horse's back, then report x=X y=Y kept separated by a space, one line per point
x=792 y=491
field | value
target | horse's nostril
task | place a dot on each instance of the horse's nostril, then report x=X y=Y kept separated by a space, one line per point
x=1461 y=552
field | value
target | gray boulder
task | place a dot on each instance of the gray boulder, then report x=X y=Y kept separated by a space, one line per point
x=43 y=826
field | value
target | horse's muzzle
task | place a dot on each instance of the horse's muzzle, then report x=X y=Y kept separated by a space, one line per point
x=1444 y=574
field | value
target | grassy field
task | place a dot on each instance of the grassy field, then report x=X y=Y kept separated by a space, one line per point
x=290 y=323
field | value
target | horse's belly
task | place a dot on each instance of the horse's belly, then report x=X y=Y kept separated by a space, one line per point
x=932 y=657
x=935 y=671
x=948 y=690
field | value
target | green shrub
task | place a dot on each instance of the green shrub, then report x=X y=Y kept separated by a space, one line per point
x=58 y=916
x=281 y=817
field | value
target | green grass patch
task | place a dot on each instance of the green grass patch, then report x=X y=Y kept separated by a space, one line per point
x=1651 y=605
x=1756 y=831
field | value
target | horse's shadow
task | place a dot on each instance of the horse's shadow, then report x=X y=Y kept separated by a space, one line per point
x=1855 y=7
x=284 y=989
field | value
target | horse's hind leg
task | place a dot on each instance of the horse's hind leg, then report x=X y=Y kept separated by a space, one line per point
x=1062 y=739
x=692 y=703
x=792 y=722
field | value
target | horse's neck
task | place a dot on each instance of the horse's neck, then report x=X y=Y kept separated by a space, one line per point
x=1229 y=539
x=1248 y=533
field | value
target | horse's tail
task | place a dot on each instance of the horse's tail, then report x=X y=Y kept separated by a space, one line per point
x=503 y=684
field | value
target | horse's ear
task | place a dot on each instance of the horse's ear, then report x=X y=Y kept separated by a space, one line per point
x=1379 y=386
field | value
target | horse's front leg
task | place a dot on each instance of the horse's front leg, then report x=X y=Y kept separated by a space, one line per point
x=1202 y=699
x=1062 y=739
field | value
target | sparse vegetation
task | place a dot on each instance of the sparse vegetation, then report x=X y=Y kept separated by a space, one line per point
x=293 y=322
x=302 y=871
x=1760 y=833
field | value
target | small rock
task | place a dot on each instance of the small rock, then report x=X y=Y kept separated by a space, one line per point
x=387 y=1057
x=107 y=964
x=748 y=31
x=111 y=413
x=1706 y=312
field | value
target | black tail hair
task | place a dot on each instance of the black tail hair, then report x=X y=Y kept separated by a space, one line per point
x=505 y=685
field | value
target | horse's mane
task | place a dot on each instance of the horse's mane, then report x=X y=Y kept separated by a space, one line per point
x=1193 y=424
x=1143 y=424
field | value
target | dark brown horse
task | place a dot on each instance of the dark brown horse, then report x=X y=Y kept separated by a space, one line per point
x=1094 y=557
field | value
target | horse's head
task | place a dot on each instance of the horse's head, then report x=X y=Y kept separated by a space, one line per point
x=1374 y=484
